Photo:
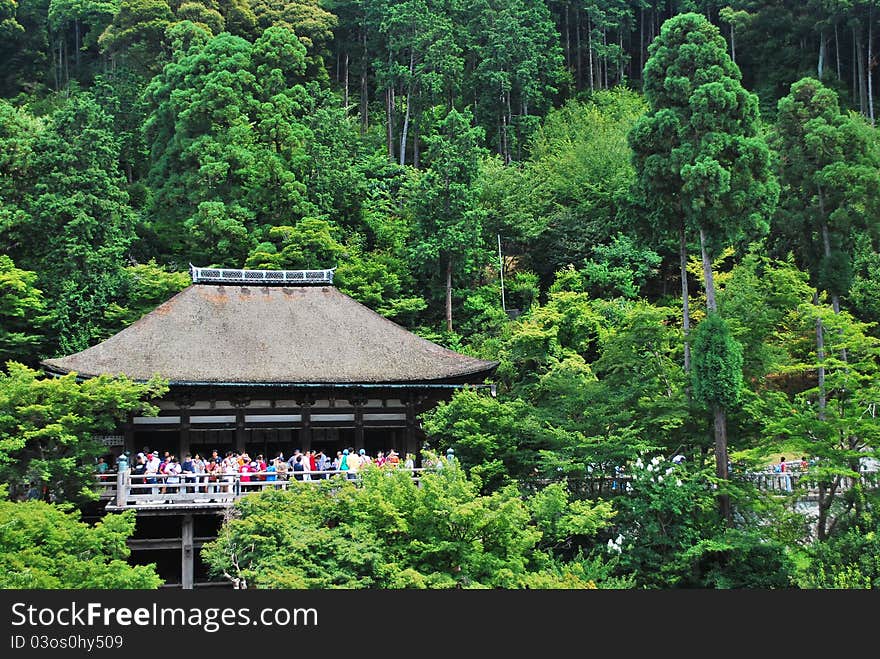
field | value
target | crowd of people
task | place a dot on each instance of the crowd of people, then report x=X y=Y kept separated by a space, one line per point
x=236 y=472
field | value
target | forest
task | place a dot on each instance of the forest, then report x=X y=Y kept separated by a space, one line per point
x=661 y=218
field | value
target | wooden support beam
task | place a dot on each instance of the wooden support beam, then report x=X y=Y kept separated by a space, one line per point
x=154 y=544
x=186 y=554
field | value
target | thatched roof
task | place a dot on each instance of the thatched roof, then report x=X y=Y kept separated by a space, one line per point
x=289 y=334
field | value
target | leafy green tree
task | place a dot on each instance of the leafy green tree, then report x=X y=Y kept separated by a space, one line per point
x=136 y=35
x=516 y=66
x=309 y=20
x=393 y=533
x=18 y=133
x=828 y=164
x=22 y=313
x=24 y=49
x=717 y=368
x=847 y=431
x=443 y=204
x=669 y=533
x=145 y=287
x=619 y=269
x=44 y=546
x=202 y=13
x=228 y=146
x=79 y=207
x=850 y=559
x=310 y=244
x=494 y=439
x=380 y=281
x=575 y=182
x=47 y=428
x=700 y=153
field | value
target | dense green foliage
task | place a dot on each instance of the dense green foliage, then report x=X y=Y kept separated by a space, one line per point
x=43 y=546
x=663 y=225
x=47 y=428
x=391 y=533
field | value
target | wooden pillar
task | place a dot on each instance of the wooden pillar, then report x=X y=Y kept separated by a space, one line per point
x=186 y=552
x=411 y=441
x=184 y=433
x=358 y=423
x=305 y=433
x=128 y=435
x=240 y=435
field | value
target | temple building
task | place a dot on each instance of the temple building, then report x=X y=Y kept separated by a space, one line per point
x=271 y=361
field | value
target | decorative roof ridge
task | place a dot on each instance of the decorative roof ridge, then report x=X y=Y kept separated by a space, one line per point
x=239 y=276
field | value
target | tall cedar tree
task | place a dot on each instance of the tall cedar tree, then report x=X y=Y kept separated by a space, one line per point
x=829 y=172
x=699 y=153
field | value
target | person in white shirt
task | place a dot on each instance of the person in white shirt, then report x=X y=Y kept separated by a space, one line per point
x=152 y=471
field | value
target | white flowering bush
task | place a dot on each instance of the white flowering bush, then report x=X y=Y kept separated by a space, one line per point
x=667 y=508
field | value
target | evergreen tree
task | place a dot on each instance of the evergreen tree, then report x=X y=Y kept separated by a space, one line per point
x=701 y=156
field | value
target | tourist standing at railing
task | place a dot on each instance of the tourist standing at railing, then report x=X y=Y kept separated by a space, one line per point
x=322 y=462
x=298 y=468
x=230 y=468
x=138 y=471
x=188 y=468
x=354 y=464
x=307 y=475
x=152 y=471
x=271 y=472
x=343 y=462
x=172 y=475
x=393 y=459
x=366 y=460
x=782 y=468
x=200 y=467
x=212 y=470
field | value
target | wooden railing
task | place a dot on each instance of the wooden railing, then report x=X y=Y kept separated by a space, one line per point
x=222 y=489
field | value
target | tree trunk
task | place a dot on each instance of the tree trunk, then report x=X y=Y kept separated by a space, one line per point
x=718 y=411
x=820 y=358
x=605 y=59
x=721 y=459
x=568 y=37
x=826 y=248
x=389 y=121
x=590 y=51
x=641 y=41
x=837 y=51
x=863 y=78
x=415 y=145
x=578 y=53
x=76 y=43
x=711 y=304
x=449 y=294
x=685 y=301
x=365 y=120
x=409 y=89
x=870 y=65
x=820 y=67
x=345 y=88
x=732 y=44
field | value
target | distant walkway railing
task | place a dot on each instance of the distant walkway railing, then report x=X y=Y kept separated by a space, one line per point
x=790 y=481
x=769 y=481
x=124 y=489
